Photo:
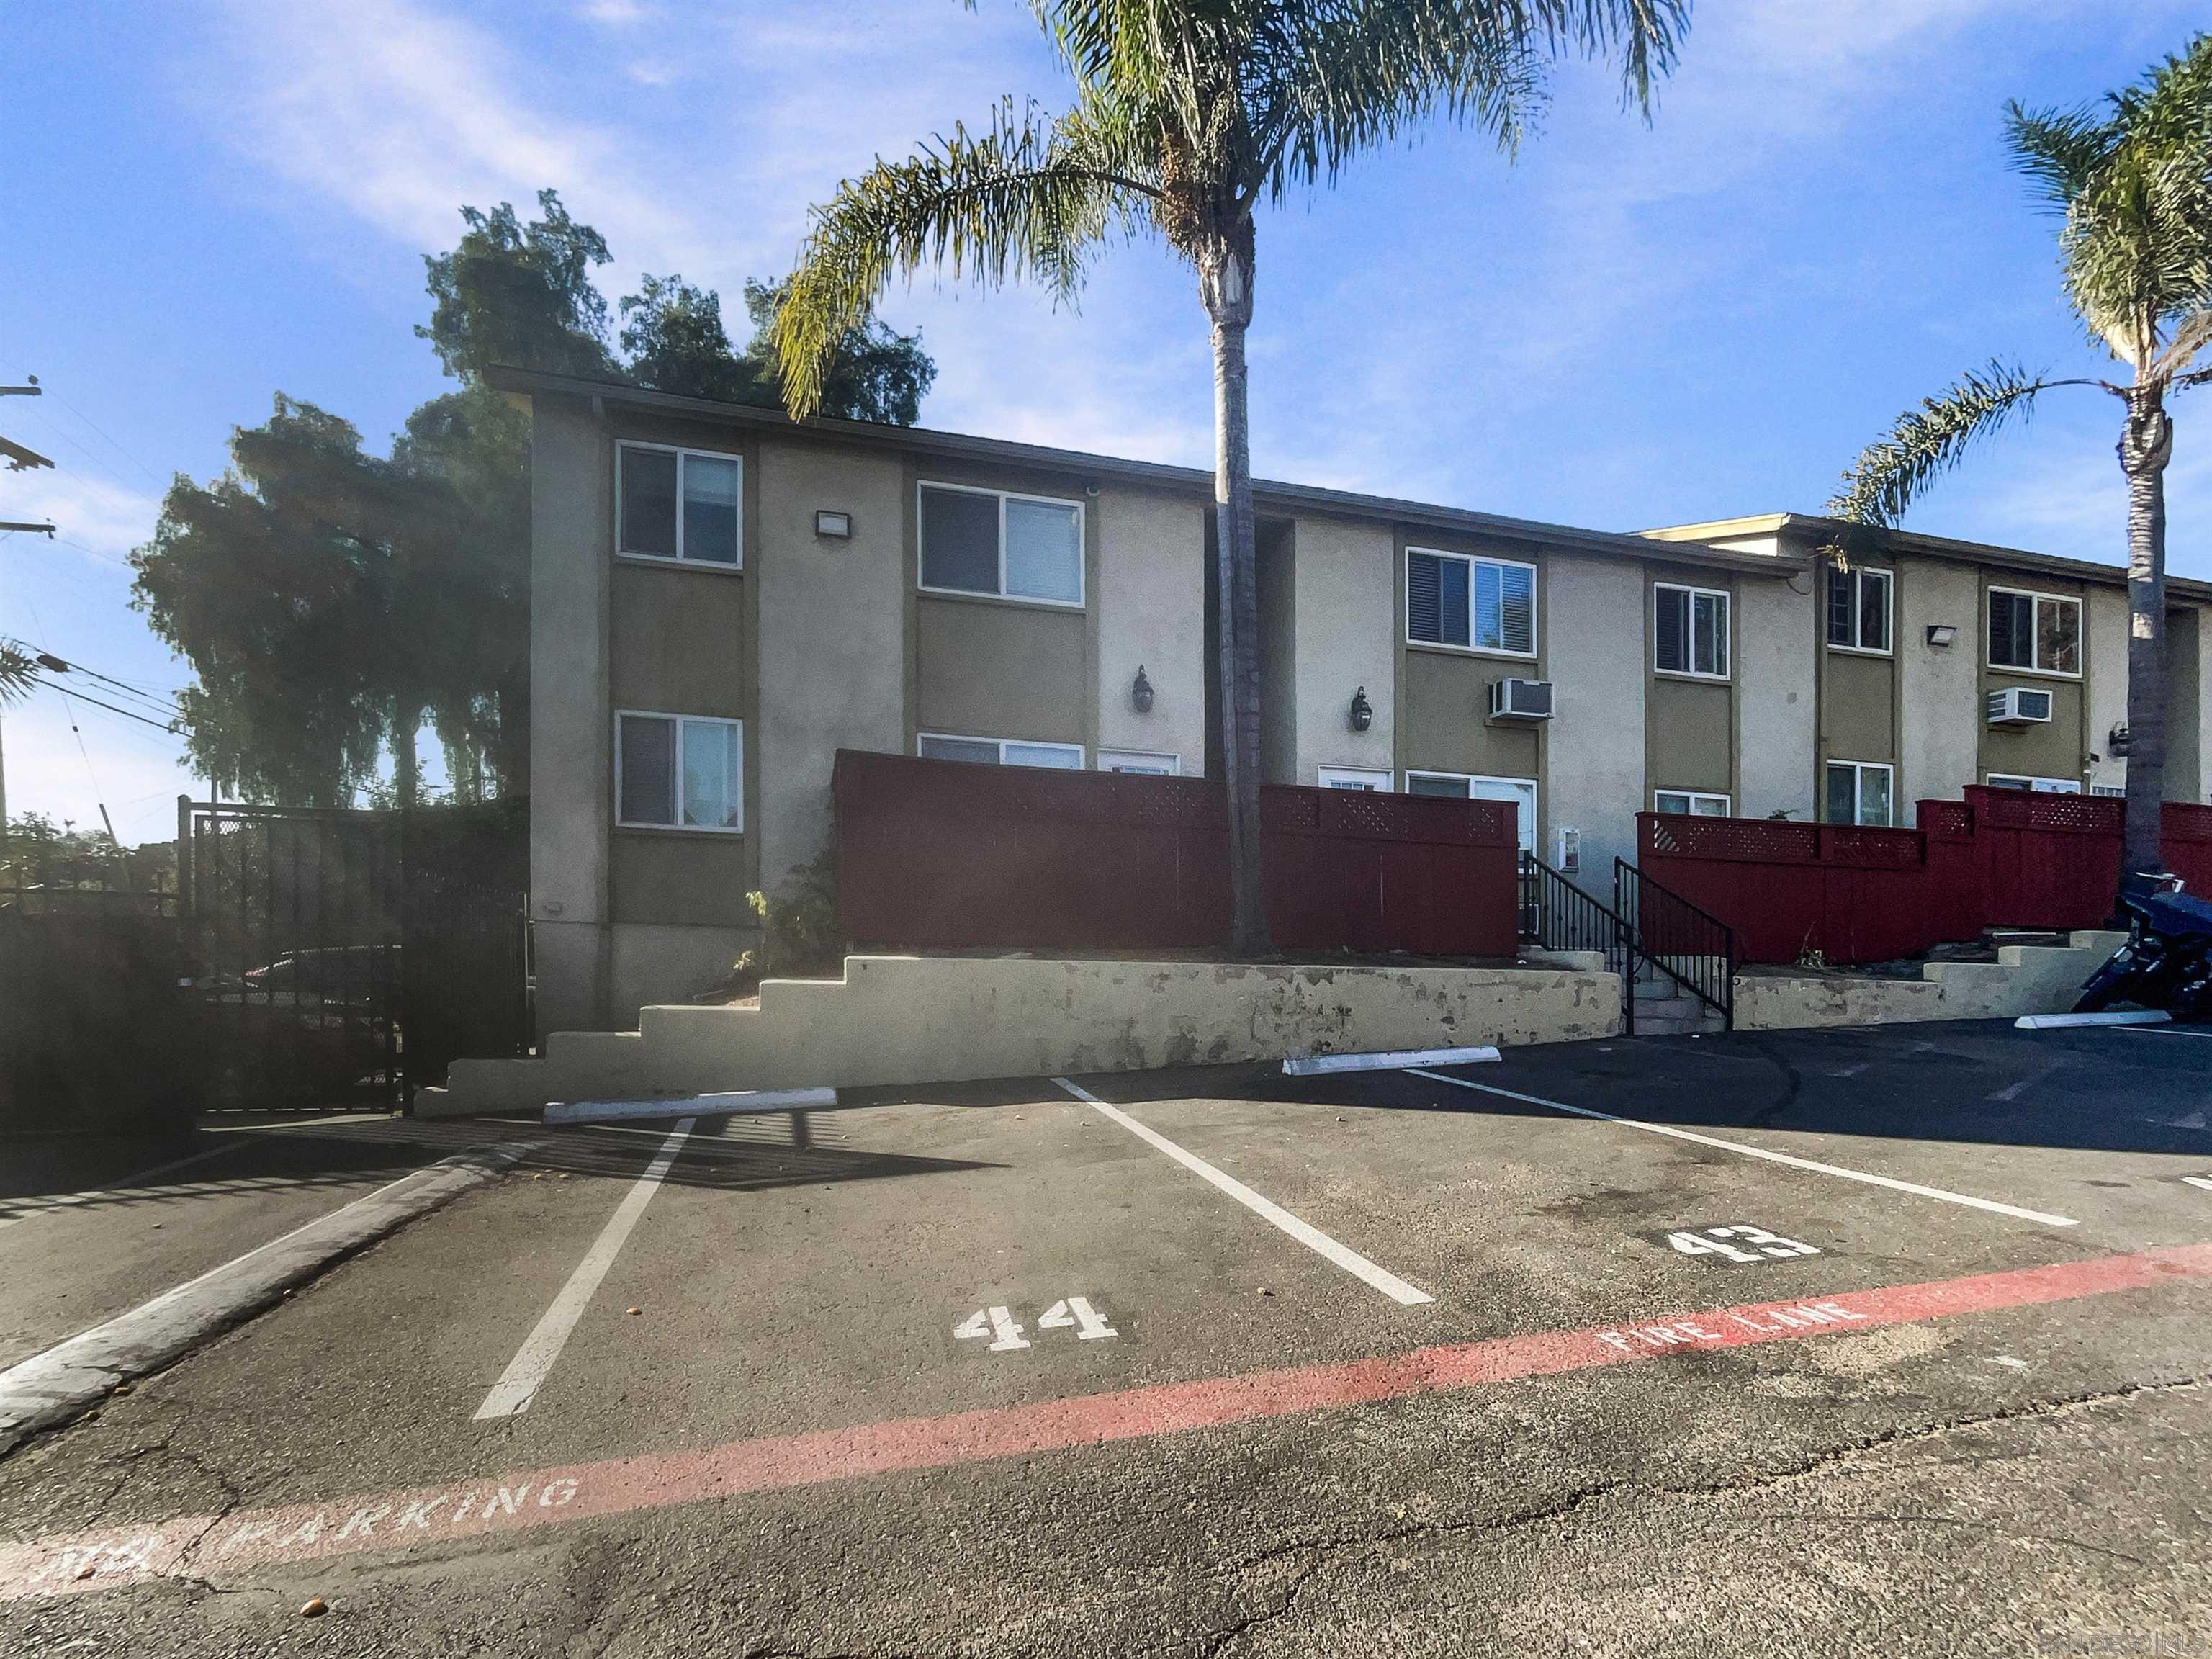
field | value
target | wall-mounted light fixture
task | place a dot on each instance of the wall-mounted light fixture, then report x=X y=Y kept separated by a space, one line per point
x=1363 y=712
x=834 y=526
x=1141 y=692
x=1941 y=634
x=2115 y=741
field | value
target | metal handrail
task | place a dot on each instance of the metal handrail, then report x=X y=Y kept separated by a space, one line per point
x=1560 y=916
x=1706 y=969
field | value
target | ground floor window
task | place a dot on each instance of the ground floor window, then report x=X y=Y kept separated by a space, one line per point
x=1355 y=777
x=1460 y=786
x=1859 y=791
x=679 y=772
x=1138 y=761
x=1001 y=751
x=1689 y=803
x=2117 y=790
x=2040 y=786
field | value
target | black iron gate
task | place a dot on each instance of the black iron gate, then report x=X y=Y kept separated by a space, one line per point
x=347 y=957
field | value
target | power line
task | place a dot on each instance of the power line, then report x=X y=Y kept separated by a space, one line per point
x=142 y=720
x=109 y=442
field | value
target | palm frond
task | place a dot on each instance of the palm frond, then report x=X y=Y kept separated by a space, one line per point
x=18 y=670
x=2061 y=150
x=1929 y=440
x=1027 y=197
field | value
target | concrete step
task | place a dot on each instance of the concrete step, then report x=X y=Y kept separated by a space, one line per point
x=1677 y=1024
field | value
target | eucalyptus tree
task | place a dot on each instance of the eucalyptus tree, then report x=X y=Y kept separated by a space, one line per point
x=1187 y=116
x=2132 y=182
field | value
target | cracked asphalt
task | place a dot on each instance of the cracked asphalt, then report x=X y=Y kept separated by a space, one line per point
x=2017 y=1476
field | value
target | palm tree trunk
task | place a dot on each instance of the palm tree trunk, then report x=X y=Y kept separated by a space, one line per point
x=1225 y=282
x=2145 y=448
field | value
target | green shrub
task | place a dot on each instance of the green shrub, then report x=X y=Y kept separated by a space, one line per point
x=800 y=934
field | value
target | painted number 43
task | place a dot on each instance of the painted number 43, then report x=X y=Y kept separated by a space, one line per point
x=1739 y=1244
x=1004 y=1331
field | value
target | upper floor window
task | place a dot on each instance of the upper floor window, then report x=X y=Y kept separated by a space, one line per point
x=1486 y=605
x=679 y=772
x=1690 y=803
x=1859 y=609
x=680 y=504
x=1859 y=791
x=1691 y=631
x=987 y=541
x=2040 y=786
x=2038 y=632
x=1001 y=751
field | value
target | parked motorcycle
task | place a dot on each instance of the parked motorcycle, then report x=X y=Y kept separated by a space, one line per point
x=2167 y=960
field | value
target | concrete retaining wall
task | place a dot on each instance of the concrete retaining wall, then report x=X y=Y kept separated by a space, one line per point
x=2025 y=979
x=943 y=1019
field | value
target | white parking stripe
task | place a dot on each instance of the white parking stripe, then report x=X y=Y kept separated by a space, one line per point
x=1312 y=1237
x=1989 y=1204
x=527 y=1371
x=2162 y=1031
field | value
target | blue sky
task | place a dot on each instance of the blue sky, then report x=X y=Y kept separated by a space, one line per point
x=1630 y=325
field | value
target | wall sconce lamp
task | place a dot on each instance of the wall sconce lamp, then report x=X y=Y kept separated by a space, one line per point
x=1941 y=634
x=834 y=526
x=1363 y=712
x=1141 y=692
x=2115 y=741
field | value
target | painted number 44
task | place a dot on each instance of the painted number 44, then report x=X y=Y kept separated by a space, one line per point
x=1004 y=1331
x=1739 y=1244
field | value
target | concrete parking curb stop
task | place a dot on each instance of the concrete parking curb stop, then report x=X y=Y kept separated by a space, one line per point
x=52 y=1387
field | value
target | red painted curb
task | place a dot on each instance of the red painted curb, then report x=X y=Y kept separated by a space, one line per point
x=386 y=1520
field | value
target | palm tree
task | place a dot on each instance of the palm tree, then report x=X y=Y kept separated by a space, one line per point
x=18 y=670
x=1187 y=115
x=2133 y=182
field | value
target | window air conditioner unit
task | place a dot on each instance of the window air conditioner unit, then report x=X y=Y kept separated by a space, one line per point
x=2017 y=705
x=1520 y=700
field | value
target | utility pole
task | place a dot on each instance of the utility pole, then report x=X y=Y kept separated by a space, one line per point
x=19 y=459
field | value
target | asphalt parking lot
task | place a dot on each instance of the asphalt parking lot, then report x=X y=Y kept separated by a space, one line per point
x=1797 y=1343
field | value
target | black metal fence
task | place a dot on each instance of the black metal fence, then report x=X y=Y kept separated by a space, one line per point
x=1559 y=916
x=1693 y=947
x=351 y=956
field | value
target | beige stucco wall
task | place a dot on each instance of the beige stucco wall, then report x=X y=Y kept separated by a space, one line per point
x=1151 y=607
x=1858 y=707
x=990 y=668
x=651 y=965
x=1594 y=748
x=2105 y=623
x=1347 y=634
x=2024 y=980
x=1776 y=699
x=1444 y=723
x=832 y=651
x=1688 y=727
x=1939 y=686
x=939 y=1020
x=570 y=743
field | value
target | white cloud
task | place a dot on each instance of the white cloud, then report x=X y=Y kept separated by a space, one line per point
x=399 y=115
x=617 y=13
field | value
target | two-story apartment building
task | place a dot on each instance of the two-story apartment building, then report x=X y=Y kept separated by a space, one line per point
x=721 y=599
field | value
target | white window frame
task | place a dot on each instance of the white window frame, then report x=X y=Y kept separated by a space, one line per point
x=1690 y=632
x=1150 y=762
x=2035 y=635
x=1859 y=769
x=1360 y=778
x=1472 y=649
x=1075 y=749
x=2034 y=785
x=1693 y=796
x=676 y=774
x=2110 y=791
x=1470 y=779
x=680 y=452
x=1081 y=546
x=1888 y=611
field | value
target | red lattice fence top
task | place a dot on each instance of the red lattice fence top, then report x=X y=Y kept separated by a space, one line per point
x=1946 y=820
x=2021 y=809
x=1743 y=841
x=1370 y=815
x=1857 y=848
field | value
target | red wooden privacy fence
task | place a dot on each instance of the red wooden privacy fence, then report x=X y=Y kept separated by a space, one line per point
x=2000 y=858
x=947 y=854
